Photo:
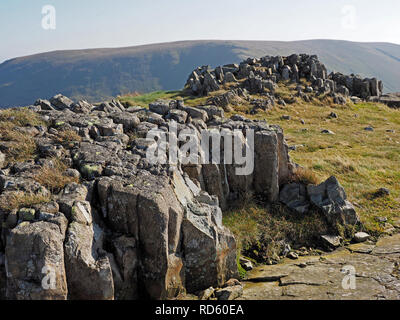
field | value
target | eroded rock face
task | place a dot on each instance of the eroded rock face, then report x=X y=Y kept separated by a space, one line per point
x=34 y=262
x=89 y=275
x=331 y=198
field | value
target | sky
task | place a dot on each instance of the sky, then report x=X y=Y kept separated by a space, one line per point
x=80 y=24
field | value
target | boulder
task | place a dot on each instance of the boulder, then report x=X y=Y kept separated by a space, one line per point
x=361 y=237
x=331 y=241
x=89 y=274
x=294 y=195
x=331 y=199
x=160 y=107
x=61 y=102
x=35 y=262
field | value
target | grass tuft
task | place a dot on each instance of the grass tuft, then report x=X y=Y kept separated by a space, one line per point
x=54 y=177
x=18 y=199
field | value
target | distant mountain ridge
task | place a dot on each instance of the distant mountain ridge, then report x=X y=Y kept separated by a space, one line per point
x=94 y=74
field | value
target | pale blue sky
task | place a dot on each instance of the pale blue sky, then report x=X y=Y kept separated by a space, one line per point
x=116 y=23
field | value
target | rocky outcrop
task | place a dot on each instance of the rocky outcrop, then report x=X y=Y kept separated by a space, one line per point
x=391 y=99
x=118 y=225
x=261 y=76
x=329 y=198
x=129 y=228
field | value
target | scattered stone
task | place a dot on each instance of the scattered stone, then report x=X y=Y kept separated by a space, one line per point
x=207 y=294
x=369 y=129
x=229 y=293
x=331 y=199
x=361 y=237
x=231 y=283
x=382 y=192
x=293 y=255
x=325 y=131
x=330 y=241
x=246 y=264
x=294 y=195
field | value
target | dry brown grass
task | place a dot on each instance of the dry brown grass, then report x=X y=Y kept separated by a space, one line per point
x=19 y=146
x=68 y=137
x=305 y=175
x=21 y=117
x=19 y=199
x=53 y=177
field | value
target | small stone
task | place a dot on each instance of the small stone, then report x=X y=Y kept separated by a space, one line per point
x=231 y=283
x=2 y=160
x=206 y=294
x=361 y=237
x=369 y=128
x=331 y=241
x=388 y=229
x=229 y=293
x=293 y=255
x=333 y=115
x=381 y=219
x=302 y=121
x=286 y=117
x=246 y=264
x=325 y=131
x=382 y=192
x=72 y=173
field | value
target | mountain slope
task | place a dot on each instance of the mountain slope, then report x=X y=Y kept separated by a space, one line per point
x=102 y=73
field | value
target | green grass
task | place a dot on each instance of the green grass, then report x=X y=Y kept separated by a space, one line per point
x=144 y=99
x=260 y=230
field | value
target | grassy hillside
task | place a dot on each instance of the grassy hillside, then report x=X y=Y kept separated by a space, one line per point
x=363 y=161
x=98 y=74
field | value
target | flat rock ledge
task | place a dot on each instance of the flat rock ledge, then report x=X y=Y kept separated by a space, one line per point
x=363 y=271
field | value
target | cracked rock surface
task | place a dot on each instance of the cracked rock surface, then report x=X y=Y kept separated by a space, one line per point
x=376 y=268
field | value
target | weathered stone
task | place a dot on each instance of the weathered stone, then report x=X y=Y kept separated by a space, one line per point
x=35 y=262
x=229 y=293
x=331 y=241
x=361 y=237
x=294 y=195
x=126 y=255
x=206 y=294
x=246 y=264
x=331 y=198
x=89 y=275
x=61 y=102
x=266 y=169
